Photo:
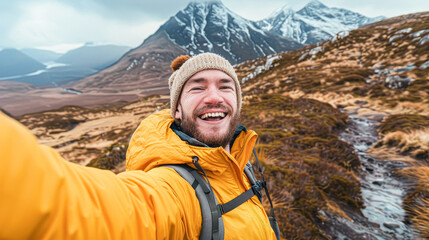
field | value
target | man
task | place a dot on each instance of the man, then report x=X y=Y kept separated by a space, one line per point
x=43 y=196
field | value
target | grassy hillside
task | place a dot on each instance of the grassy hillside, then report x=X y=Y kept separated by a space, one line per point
x=309 y=169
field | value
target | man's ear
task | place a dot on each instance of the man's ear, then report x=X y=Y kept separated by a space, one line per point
x=178 y=113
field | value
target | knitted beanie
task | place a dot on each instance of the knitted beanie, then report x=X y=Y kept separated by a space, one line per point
x=185 y=67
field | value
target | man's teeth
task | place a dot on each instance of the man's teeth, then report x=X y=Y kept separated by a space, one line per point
x=212 y=115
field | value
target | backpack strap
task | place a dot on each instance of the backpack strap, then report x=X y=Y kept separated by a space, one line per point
x=273 y=220
x=248 y=170
x=242 y=198
x=212 y=223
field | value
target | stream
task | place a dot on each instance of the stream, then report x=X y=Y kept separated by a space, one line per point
x=381 y=191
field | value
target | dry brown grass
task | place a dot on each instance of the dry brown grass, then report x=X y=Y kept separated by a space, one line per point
x=403 y=135
x=335 y=209
x=421 y=221
x=413 y=141
x=281 y=200
x=417 y=203
x=389 y=153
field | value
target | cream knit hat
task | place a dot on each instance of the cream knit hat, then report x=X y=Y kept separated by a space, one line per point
x=185 y=67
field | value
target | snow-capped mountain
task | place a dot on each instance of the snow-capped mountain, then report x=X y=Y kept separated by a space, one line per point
x=208 y=26
x=313 y=23
x=204 y=26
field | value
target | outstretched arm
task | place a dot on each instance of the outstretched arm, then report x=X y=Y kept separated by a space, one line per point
x=44 y=196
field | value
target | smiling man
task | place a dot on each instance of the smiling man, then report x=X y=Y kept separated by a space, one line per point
x=207 y=109
x=161 y=195
x=202 y=130
x=205 y=103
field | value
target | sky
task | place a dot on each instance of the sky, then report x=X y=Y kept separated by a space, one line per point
x=61 y=25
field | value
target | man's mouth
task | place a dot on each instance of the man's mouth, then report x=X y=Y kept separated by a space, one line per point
x=214 y=116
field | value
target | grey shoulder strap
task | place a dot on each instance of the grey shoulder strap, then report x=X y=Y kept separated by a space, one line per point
x=212 y=223
x=211 y=212
x=248 y=170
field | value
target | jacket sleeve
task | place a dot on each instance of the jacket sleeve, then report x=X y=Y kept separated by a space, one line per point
x=44 y=196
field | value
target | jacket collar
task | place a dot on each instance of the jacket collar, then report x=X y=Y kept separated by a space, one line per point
x=194 y=142
x=155 y=143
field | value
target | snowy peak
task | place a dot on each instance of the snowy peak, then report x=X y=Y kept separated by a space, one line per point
x=315 y=5
x=315 y=22
x=209 y=26
x=210 y=10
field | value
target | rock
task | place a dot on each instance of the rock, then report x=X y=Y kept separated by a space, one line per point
x=391 y=225
x=379 y=183
x=359 y=102
x=369 y=169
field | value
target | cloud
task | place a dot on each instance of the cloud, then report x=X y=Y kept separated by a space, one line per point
x=33 y=23
x=126 y=10
x=48 y=22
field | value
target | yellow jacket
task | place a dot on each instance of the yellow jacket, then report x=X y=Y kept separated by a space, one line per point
x=44 y=197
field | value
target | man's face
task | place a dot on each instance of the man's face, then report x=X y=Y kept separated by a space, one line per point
x=208 y=108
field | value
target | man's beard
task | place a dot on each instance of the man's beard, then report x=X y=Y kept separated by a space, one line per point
x=188 y=126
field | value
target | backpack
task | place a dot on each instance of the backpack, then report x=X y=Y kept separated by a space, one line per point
x=211 y=211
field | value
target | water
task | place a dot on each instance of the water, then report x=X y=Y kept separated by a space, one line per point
x=49 y=65
x=382 y=193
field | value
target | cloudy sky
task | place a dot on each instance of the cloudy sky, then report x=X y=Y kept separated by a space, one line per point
x=62 y=24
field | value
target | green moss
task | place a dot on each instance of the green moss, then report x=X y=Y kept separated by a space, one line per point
x=63 y=123
x=377 y=91
x=410 y=98
x=403 y=122
x=360 y=91
x=110 y=157
x=345 y=190
x=419 y=85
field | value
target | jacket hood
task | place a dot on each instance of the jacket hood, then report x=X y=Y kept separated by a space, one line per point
x=154 y=143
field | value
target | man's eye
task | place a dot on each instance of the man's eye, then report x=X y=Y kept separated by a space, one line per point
x=226 y=88
x=196 y=89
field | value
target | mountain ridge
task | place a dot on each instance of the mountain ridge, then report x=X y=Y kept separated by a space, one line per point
x=315 y=22
x=14 y=62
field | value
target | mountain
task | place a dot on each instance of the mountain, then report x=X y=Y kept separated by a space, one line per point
x=313 y=23
x=41 y=55
x=73 y=65
x=93 y=56
x=206 y=26
x=144 y=70
x=13 y=62
x=211 y=27
x=385 y=60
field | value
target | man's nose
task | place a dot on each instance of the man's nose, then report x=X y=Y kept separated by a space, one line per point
x=213 y=96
